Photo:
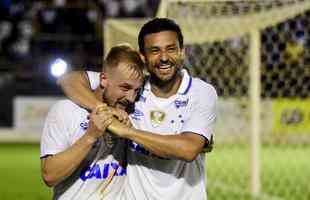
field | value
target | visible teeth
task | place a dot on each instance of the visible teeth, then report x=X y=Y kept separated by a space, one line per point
x=164 y=66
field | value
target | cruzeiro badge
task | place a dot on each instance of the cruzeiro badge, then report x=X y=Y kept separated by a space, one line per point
x=157 y=117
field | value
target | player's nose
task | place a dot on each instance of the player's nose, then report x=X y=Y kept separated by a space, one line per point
x=163 y=57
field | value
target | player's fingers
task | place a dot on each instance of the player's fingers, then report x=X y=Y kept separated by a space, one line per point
x=104 y=118
x=95 y=113
x=101 y=108
x=104 y=114
x=99 y=120
x=118 y=115
x=126 y=119
x=128 y=123
x=106 y=123
x=92 y=117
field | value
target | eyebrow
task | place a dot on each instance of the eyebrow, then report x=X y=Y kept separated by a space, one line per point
x=167 y=46
x=128 y=86
x=172 y=45
x=125 y=85
x=152 y=48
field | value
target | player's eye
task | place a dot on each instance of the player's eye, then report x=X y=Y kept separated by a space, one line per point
x=155 y=51
x=125 y=89
x=172 y=49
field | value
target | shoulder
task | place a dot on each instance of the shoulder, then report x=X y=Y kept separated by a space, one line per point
x=64 y=109
x=203 y=89
x=65 y=105
x=65 y=118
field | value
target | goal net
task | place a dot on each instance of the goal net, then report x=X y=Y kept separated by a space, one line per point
x=257 y=55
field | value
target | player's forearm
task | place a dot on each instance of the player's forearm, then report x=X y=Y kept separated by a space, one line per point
x=183 y=146
x=75 y=85
x=57 y=167
x=167 y=146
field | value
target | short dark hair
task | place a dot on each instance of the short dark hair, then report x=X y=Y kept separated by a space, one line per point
x=124 y=53
x=157 y=25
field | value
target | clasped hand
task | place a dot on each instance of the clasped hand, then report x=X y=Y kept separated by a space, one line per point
x=103 y=116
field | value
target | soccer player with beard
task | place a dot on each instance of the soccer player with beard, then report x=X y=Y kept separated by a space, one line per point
x=172 y=122
x=78 y=158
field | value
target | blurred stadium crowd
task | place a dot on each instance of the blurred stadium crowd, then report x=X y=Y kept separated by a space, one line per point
x=34 y=33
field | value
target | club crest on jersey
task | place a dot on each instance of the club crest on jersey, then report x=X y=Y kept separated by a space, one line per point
x=157 y=117
x=180 y=103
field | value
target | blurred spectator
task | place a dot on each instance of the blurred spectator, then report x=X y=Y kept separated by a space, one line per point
x=133 y=8
x=128 y=8
x=110 y=8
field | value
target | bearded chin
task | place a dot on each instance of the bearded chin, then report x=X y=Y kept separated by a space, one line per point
x=162 y=83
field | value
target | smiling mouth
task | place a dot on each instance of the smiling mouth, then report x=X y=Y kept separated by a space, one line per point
x=164 y=66
x=164 y=69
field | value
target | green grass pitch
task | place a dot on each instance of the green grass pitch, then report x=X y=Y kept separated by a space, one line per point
x=285 y=173
x=20 y=173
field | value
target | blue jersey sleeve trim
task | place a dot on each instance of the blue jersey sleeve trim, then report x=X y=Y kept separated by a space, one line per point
x=188 y=86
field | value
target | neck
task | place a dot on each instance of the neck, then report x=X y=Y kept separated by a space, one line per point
x=166 y=89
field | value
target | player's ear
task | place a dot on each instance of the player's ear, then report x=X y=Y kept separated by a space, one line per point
x=183 y=53
x=103 y=80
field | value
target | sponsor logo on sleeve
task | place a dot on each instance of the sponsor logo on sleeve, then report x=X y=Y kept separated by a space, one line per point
x=137 y=114
x=84 y=125
x=180 y=103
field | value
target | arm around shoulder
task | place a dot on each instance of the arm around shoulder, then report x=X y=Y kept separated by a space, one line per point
x=185 y=146
x=76 y=86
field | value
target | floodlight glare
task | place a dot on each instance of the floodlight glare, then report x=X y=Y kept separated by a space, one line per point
x=58 y=67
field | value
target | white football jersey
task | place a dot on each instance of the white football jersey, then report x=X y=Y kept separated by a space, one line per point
x=192 y=109
x=101 y=175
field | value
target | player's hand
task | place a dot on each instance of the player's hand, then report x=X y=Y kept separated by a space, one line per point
x=119 y=114
x=98 y=123
x=122 y=116
x=118 y=128
x=209 y=146
x=127 y=122
x=120 y=120
x=101 y=108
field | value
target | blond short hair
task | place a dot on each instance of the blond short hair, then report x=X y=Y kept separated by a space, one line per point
x=124 y=53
